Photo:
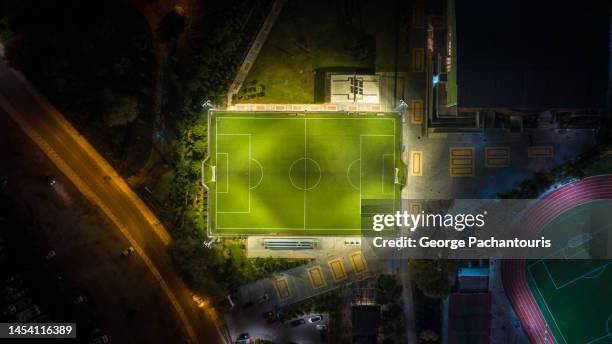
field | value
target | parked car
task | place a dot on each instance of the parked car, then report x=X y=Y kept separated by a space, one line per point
x=103 y=339
x=16 y=295
x=10 y=310
x=28 y=314
x=270 y=317
x=265 y=298
x=127 y=251
x=50 y=180
x=315 y=318
x=244 y=336
x=297 y=322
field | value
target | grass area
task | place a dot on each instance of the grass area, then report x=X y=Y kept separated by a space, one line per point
x=603 y=166
x=321 y=34
x=97 y=69
x=283 y=174
x=573 y=295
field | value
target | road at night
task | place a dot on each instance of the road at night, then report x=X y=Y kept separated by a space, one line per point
x=104 y=187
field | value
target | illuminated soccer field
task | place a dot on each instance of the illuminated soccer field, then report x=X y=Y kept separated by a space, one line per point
x=574 y=295
x=294 y=174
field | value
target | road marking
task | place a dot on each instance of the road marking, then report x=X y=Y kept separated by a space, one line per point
x=337 y=269
x=461 y=161
x=282 y=288
x=358 y=262
x=541 y=152
x=317 y=280
x=417 y=107
x=89 y=194
x=416 y=163
x=497 y=156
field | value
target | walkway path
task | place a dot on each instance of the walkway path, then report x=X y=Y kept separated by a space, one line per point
x=251 y=56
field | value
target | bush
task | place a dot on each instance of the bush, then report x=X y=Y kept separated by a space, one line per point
x=434 y=278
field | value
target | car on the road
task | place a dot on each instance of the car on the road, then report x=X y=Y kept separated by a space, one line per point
x=321 y=327
x=127 y=251
x=315 y=318
x=297 y=322
x=50 y=180
x=200 y=301
x=50 y=255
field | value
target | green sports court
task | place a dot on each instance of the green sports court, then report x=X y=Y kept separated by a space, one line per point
x=574 y=295
x=299 y=173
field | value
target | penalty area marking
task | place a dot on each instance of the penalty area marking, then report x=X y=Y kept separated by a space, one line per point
x=227 y=172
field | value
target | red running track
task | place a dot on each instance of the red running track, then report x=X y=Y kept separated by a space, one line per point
x=530 y=225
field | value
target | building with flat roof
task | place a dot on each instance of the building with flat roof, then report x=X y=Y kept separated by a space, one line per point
x=520 y=57
x=354 y=89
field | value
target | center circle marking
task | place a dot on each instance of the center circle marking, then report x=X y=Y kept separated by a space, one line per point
x=301 y=169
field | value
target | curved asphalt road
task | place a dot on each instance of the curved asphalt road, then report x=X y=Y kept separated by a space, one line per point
x=94 y=177
x=533 y=222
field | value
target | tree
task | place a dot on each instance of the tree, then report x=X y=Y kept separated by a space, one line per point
x=391 y=289
x=435 y=278
x=199 y=131
x=172 y=25
x=123 y=112
x=429 y=335
x=199 y=148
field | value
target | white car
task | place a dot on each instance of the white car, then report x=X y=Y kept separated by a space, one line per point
x=127 y=251
x=315 y=318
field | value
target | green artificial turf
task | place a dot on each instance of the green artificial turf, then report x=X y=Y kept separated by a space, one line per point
x=574 y=295
x=321 y=35
x=299 y=175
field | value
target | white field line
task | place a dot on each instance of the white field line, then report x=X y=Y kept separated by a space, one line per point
x=305 y=153
x=217 y=189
